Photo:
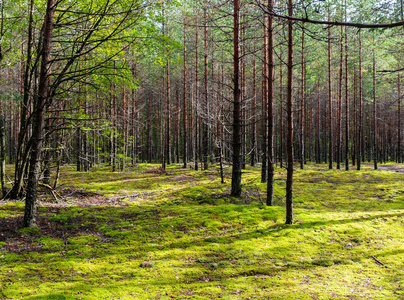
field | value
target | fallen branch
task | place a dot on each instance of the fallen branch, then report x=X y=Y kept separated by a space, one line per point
x=51 y=189
x=379 y=262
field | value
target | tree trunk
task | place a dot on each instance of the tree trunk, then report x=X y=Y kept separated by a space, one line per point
x=399 y=151
x=236 y=172
x=264 y=119
x=270 y=182
x=318 y=133
x=185 y=108
x=205 y=127
x=330 y=113
x=196 y=122
x=346 y=101
x=375 y=141
x=302 y=107
x=254 y=112
x=39 y=115
x=289 y=102
x=360 y=113
x=3 y=157
x=168 y=120
x=24 y=147
x=339 y=118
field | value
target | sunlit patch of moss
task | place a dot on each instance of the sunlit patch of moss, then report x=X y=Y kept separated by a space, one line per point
x=194 y=241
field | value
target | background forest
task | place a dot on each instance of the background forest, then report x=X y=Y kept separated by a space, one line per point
x=125 y=82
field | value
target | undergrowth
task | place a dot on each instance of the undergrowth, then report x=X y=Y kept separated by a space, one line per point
x=179 y=235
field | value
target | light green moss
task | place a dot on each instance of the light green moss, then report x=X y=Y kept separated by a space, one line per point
x=186 y=238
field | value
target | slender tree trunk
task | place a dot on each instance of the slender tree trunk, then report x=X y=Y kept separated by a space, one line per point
x=221 y=127
x=264 y=119
x=302 y=106
x=124 y=133
x=236 y=172
x=243 y=93
x=168 y=117
x=3 y=157
x=185 y=108
x=205 y=127
x=318 y=133
x=289 y=105
x=270 y=182
x=360 y=113
x=114 y=143
x=399 y=151
x=134 y=121
x=355 y=119
x=330 y=110
x=375 y=141
x=346 y=100
x=47 y=154
x=39 y=115
x=196 y=105
x=254 y=112
x=281 y=148
x=24 y=147
x=339 y=116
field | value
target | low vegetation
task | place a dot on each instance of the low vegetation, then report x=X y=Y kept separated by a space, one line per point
x=146 y=234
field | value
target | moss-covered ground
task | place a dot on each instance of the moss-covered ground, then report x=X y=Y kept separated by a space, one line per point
x=145 y=234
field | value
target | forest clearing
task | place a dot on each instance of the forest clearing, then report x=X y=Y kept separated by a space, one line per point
x=201 y=149
x=144 y=234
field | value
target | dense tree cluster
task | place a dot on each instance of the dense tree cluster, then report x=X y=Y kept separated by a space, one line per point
x=198 y=82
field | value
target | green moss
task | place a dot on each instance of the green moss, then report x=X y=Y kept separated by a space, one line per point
x=30 y=231
x=180 y=235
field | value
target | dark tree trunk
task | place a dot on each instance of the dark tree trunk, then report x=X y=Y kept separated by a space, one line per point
x=39 y=115
x=399 y=151
x=339 y=118
x=289 y=105
x=47 y=155
x=236 y=172
x=24 y=147
x=318 y=133
x=375 y=141
x=254 y=112
x=270 y=182
x=346 y=101
x=264 y=119
x=330 y=113
x=3 y=157
x=281 y=148
x=302 y=107
x=360 y=113
x=168 y=119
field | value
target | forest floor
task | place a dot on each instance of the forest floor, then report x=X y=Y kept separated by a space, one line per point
x=148 y=234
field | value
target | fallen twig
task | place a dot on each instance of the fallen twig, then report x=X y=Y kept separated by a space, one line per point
x=379 y=262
